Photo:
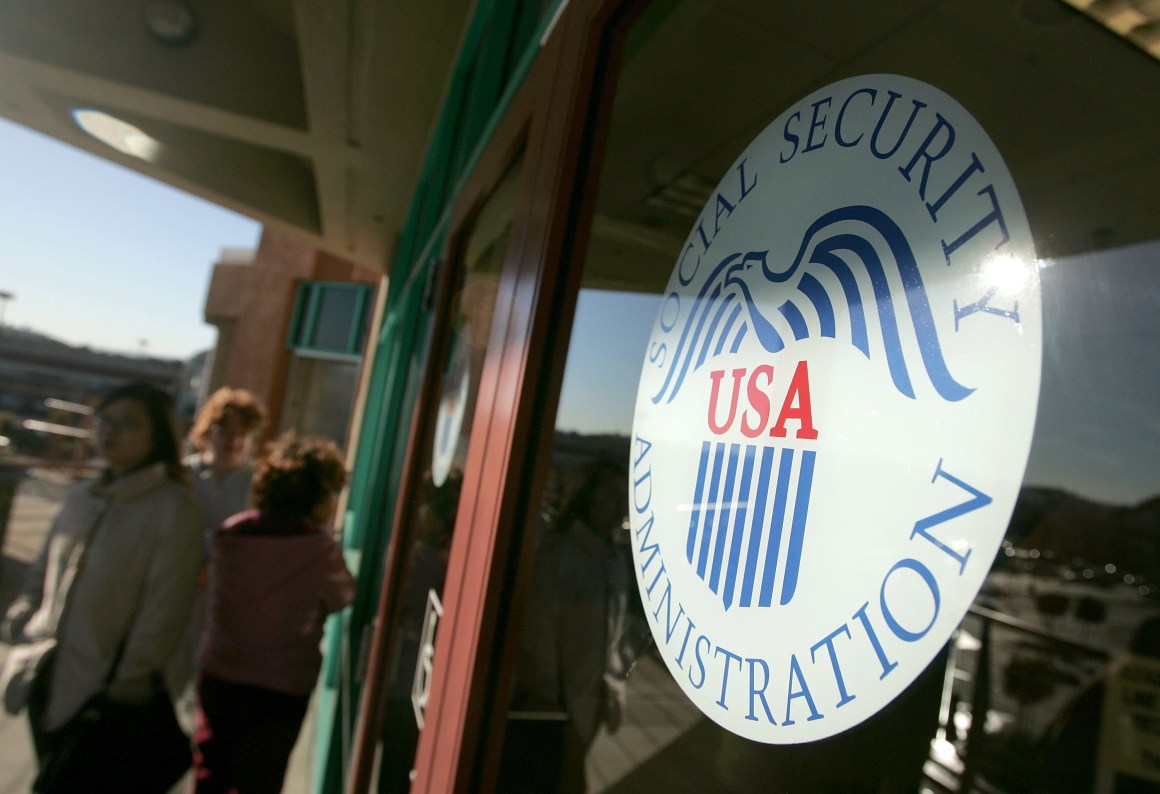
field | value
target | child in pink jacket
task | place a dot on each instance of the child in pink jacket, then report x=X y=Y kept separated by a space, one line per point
x=275 y=575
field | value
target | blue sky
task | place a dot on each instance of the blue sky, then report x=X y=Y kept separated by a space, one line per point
x=99 y=255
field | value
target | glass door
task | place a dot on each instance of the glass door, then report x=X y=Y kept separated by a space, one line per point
x=1018 y=699
x=440 y=443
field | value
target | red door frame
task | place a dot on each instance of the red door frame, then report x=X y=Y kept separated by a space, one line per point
x=556 y=123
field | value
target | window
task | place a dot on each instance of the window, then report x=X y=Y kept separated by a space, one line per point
x=331 y=318
x=1016 y=701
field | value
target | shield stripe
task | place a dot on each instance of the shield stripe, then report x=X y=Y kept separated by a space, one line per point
x=726 y=502
x=776 y=523
x=739 y=525
x=793 y=556
x=757 y=529
x=698 y=499
x=712 y=498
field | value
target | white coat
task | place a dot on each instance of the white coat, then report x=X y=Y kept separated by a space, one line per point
x=135 y=585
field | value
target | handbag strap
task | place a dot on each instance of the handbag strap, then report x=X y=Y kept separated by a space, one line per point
x=78 y=570
x=68 y=599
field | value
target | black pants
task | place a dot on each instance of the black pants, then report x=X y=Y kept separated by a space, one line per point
x=244 y=737
x=43 y=741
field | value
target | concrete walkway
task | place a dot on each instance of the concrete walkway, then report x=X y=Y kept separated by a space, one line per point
x=36 y=503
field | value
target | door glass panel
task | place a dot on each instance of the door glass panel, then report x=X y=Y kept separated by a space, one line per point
x=1020 y=697
x=426 y=534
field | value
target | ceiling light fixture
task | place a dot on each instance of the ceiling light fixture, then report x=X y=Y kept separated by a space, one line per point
x=170 y=22
x=121 y=135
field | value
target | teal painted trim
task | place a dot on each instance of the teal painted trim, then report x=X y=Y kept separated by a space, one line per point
x=390 y=360
x=374 y=428
x=328 y=698
x=310 y=318
x=527 y=20
x=435 y=192
x=304 y=326
x=435 y=164
x=301 y=293
x=487 y=77
x=354 y=337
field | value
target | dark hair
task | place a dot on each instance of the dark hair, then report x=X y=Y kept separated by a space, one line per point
x=158 y=407
x=592 y=476
x=222 y=404
x=294 y=475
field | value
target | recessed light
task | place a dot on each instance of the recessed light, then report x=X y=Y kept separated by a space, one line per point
x=121 y=135
x=170 y=22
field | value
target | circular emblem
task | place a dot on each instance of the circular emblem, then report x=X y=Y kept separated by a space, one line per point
x=835 y=409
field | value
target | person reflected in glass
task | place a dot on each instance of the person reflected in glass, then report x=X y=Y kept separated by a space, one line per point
x=124 y=550
x=573 y=661
x=276 y=574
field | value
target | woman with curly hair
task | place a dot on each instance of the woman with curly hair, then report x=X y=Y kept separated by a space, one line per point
x=276 y=573
x=224 y=434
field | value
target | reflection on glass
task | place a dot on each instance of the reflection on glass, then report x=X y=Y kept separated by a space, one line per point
x=579 y=640
x=1019 y=701
x=425 y=538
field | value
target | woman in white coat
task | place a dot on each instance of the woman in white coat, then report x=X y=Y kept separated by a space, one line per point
x=116 y=576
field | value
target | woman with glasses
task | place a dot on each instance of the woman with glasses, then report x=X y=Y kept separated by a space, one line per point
x=113 y=585
x=224 y=434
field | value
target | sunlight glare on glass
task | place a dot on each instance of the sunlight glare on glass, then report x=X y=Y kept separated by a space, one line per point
x=121 y=135
x=1005 y=273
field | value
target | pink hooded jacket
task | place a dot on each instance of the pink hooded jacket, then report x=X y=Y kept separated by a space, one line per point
x=272 y=583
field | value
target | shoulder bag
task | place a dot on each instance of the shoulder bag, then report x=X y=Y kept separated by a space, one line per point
x=113 y=746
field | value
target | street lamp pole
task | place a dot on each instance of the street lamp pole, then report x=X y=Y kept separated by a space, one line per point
x=5 y=296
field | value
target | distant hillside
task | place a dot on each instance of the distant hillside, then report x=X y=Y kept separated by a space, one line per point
x=36 y=368
x=572 y=449
x=27 y=340
x=1075 y=532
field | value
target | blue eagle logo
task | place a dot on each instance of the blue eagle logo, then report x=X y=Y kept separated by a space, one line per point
x=724 y=311
x=743 y=502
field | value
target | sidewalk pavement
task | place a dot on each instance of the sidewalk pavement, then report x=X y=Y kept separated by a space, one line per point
x=36 y=503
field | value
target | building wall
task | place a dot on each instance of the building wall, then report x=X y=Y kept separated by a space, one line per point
x=252 y=304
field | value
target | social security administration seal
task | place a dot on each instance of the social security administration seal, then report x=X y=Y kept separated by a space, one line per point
x=835 y=409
